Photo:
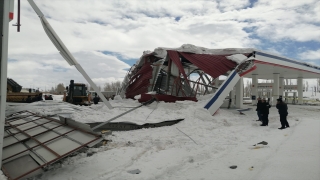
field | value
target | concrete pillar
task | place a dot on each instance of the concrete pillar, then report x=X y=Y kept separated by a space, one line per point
x=4 y=26
x=254 y=88
x=239 y=93
x=300 y=90
x=275 y=89
x=281 y=87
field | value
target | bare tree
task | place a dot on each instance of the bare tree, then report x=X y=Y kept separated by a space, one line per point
x=247 y=89
x=113 y=86
x=60 y=88
x=307 y=86
x=52 y=90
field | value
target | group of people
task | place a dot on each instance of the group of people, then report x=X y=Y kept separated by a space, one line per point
x=263 y=107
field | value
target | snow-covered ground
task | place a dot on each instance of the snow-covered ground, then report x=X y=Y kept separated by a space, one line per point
x=217 y=143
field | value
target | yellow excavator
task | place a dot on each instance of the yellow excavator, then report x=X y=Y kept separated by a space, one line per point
x=76 y=94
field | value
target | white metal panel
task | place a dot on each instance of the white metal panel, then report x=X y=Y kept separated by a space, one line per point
x=45 y=154
x=36 y=130
x=42 y=138
x=20 y=121
x=63 y=129
x=11 y=150
x=36 y=157
x=62 y=145
x=20 y=166
x=21 y=136
x=27 y=126
x=9 y=140
x=81 y=137
x=51 y=125
x=217 y=100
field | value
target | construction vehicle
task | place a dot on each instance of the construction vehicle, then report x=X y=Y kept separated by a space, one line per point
x=14 y=93
x=76 y=94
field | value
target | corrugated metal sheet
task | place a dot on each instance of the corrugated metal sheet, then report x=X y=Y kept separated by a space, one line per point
x=214 y=65
x=174 y=56
x=140 y=82
x=32 y=142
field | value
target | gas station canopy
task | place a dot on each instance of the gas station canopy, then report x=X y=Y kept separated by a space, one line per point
x=268 y=64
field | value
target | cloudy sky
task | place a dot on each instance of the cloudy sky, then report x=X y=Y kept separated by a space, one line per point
x=108 y=36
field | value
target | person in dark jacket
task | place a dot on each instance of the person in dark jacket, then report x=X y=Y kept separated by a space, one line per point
x=258 y=109
x=283 y=112
x=264 y=110
x=96 y=99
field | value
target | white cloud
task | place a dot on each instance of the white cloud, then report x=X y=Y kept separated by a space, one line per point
x=311 y=55
x=130 y=27
x=45 y=71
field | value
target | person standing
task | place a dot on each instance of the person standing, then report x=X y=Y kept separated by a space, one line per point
x=283 y=112
x=264 y=110
x=258 y=109
x=96 y=99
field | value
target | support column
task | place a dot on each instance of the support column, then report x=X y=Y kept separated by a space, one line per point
x=4 y=25
x=281 y=87
x=300 y=90
x=275 y=89
x=216 y=83
x=254 y=88
x=232 y=98
x=239 y=93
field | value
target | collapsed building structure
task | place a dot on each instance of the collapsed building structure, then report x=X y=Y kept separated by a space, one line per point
x=171 y=74
x=181 y=73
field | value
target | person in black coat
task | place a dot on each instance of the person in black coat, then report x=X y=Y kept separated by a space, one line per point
x=264 y=110
x=283 y=112
x=258 y=109
x=96 y=99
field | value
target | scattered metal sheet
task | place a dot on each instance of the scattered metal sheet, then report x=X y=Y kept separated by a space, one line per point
x=32 y=143
x=127 y=126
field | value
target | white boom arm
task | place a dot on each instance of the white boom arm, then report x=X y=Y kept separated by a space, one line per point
x=65 y=52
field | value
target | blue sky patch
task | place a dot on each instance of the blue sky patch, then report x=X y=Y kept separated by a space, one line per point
x=130 y=62
x=252 y=2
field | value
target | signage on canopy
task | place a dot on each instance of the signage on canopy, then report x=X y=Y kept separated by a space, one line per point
x=270 y=85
